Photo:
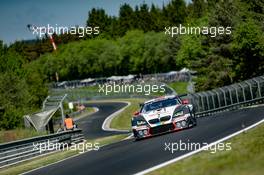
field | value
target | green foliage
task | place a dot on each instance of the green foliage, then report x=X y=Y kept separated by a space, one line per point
x=21 y=89
x=136 y=53
x=134 y=43
x=13 y=96
x=98 y=17
x=190 y=50
x=226 y=58
x=248 y=48
x=175 y=12
x=126 y=18
x=179 y=87
x=141 y=17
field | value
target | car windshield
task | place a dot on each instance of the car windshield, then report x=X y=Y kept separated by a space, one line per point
x=159 y=104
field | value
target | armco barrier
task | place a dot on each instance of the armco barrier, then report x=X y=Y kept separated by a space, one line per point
x=230 y=97
x=18 y=151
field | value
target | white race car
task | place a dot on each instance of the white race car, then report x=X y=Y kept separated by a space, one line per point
x=163 y=114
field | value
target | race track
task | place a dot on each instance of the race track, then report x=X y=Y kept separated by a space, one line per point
x=92 y=125
x=129 y=157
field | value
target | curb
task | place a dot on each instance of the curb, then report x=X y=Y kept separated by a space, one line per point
x=107 y=121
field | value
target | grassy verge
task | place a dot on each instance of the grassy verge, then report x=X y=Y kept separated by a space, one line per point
x=89 y=110
x=122 y=120
x=18 y=134
x=55 y=157
x=179 y=87
x=246 y=157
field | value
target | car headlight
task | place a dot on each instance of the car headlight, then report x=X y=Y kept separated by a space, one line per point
x=138 y=121
x=181 y=112
x=177 y=114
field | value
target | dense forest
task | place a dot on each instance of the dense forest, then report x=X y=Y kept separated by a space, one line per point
x=135 y=42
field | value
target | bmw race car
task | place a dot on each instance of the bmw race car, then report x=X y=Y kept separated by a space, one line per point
x=163 y=114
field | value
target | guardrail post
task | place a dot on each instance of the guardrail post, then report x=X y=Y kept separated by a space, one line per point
x=212 y=94
x=195 y=95
x=230 y=95
x=251 y=93
x=224 y=95
x=262 y=77
x=244 y=96
x=207 y=99
x=201 y=100
x=236 y=93
x=258 y=83
x=218 y=97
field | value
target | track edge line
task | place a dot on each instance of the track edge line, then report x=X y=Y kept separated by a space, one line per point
x=199 y=150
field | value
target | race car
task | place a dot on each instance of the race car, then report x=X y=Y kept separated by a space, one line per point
x=163 y=114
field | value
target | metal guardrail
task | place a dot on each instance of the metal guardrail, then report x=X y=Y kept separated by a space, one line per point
x=230 y=97
x=15 y=152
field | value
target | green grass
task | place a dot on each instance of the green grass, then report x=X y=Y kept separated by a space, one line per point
x=18 y=134
x=179 y=87
x=246 y=157
x=122 y=120
x=89 y=110
x=55 y=157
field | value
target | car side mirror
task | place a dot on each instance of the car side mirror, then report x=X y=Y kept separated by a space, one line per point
x=136 y=113
x=185 y=101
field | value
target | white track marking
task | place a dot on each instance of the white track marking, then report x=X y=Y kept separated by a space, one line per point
x=165 y=163
x=107 y=121
x=197 y=151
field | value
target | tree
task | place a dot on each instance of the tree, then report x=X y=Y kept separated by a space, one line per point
x=175 y=12
x=126 y=19
x=248 y=49
x=113 y=28
x=157 y=19
x=13 y=99
x=144 y=20
x=198 y=8
x=98 y=18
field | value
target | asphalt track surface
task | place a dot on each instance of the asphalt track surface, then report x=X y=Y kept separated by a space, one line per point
x=129 y=156
x=92 y=125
